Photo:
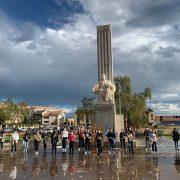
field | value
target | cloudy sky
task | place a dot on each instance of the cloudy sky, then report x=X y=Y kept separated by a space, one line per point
x=48 y=49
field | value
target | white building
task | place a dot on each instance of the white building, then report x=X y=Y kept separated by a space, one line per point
x=53 y=117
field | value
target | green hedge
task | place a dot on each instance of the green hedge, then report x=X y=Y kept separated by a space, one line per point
x=7 y=138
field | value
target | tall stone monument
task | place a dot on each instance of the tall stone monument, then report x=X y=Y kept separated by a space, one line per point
x=105 y=110
x=104 y=51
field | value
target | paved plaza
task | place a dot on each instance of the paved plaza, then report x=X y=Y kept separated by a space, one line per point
x=164 y=165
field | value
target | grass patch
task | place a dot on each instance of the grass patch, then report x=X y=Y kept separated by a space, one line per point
x=7 y=138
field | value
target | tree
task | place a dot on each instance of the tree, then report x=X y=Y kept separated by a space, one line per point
x=132 y=105
x=13 y=112
x=123 y=96
x=2 y=116
x=148 y=93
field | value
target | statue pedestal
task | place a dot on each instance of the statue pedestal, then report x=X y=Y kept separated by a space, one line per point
x=106 y=117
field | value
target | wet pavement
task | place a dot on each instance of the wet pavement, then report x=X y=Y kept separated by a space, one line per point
x=164 y=165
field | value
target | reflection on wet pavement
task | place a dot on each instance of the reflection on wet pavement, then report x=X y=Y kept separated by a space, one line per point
x=164 y=165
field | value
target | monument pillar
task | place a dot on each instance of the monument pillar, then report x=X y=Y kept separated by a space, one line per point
x=105 y=110
x=104 y=51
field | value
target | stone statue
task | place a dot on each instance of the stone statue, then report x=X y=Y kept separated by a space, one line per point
x=104 y=89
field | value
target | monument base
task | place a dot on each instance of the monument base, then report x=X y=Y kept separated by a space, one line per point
x=106 y=117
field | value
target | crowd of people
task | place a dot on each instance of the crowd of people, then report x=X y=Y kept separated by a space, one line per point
x=151 y=139
x=86 y=140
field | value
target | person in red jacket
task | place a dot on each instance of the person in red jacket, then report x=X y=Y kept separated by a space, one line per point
x=71 y=138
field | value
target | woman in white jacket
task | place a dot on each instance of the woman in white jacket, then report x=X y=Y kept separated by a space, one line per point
x=14 y=141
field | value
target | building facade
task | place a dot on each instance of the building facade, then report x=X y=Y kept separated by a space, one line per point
x=85 y=113
x=151 y=116
x=53 y=117
x=47 y=115
x=168 y=119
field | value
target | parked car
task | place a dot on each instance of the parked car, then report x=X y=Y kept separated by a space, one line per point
x=32 y=131
x=23 y=129
x=49 y=130
x=8 y=129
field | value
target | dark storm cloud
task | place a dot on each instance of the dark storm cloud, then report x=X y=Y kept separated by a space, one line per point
x=156 y=14
x=40 y=92
x=57 y=64
x=170 y=51
x=60 y=89
x=156 y=71
x=160 y=67
x=47 y=69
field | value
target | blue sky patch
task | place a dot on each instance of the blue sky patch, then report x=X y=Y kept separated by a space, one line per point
x=48 y=13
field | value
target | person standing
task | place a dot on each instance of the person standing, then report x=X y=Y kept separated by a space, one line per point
x=71 y=138
x=64 y=139
x=14 y=141
x=87 y=141
x=54 y=140
x=1 y=139
x=37 y=140
x=122 y=137
x=81 y=139
x=26 y=139
x=175 y=136
x=147 y=137
x=99 y=141
x=45 y=139
x=154 y=141
x=131 y=139
x=111 y=138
